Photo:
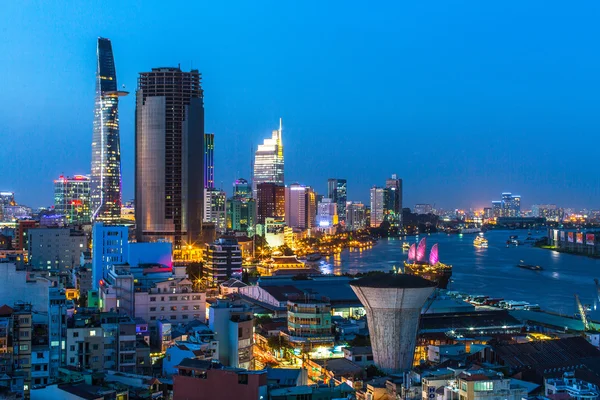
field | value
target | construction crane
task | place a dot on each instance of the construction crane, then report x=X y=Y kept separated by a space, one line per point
x=586 y=324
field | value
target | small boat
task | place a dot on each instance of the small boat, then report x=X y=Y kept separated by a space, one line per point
x=529 y=266
x=480 y=242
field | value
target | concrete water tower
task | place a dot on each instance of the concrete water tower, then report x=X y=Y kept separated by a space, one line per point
x=393 y=303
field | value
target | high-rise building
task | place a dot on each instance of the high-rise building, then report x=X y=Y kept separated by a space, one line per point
x=209 y=160
x=169 y=137
x=496 y=208
x=300 y=206
x=509 y=206
x=242 y=189
x=223 y=260
x=215 y=208
x=327 y=214
x=337 y=192
x=270 y=201
x=109 y=247
x=72 y=198
x=394 y=199
x=105 y=184
x=378 y=209
x=56 y=249
x=241 y=214
x=356 y=217
x=268 y=161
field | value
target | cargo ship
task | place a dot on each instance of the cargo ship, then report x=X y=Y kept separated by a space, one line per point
x=433 y=270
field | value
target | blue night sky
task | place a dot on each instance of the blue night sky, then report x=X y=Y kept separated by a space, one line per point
x=463 y=100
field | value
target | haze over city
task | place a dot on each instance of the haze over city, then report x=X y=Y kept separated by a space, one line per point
x=462 y=101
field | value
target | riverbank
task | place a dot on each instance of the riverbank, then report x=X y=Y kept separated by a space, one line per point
x=566 y=251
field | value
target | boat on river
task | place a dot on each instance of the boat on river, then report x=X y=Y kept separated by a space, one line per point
x=480 y=241
x=530 y=267
x=433 y=269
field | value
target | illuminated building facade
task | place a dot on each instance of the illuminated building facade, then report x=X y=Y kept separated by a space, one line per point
x=105 y=184
x=511 y=205
x=223 y=260
x=209 y=160
x=242 y=189
x=356 y=217
x=327 y=215
x=336 y=191
x=215 y=208
x=394 y=199
x=270 y=201
x=377 y=199
x=169 y=168
x=497 y=208
x=241 y=214
x=300 y=206
x=268 y=161
x=72 y=198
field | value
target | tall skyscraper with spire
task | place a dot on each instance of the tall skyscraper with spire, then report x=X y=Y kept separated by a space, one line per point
x=105 y=184
x=268 y=160
x=169 y=166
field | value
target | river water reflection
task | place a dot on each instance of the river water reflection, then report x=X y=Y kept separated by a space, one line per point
x=491 y=271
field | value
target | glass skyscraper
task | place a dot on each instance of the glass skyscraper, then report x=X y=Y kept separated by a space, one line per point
x=72 y=198
x=268 y=161
x=337 y=192
x=105 y=184
x=169 y=168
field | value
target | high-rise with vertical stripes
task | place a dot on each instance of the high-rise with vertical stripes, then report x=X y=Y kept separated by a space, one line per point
x=169 y=166
x=105 y=184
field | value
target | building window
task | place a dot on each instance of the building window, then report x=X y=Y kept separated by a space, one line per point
x=486 y=386
x=195 y=297
x=92 y=333
x=243 y=379
x=95 y=347
x=184 y=308
x=196 y=307
x=75 y=334
x=463 y=386
x=152 y=318
x=152 y=308
x=173 y=308
x=172 y=298
x=72 y=360
x=24 y=347
x=173 y=317
x=184 y=316
x=152 y=298
x=72 y=348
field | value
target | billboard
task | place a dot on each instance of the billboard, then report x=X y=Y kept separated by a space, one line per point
x=589 y=239
x=579 y=237
x=562 y=236
x=571 y=235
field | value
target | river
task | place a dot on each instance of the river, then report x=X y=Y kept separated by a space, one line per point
x=491 y=271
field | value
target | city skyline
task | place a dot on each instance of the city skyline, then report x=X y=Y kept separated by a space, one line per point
x=467 y=140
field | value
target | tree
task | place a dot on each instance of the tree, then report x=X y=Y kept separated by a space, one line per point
x=372 y=371
x=285 y=250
